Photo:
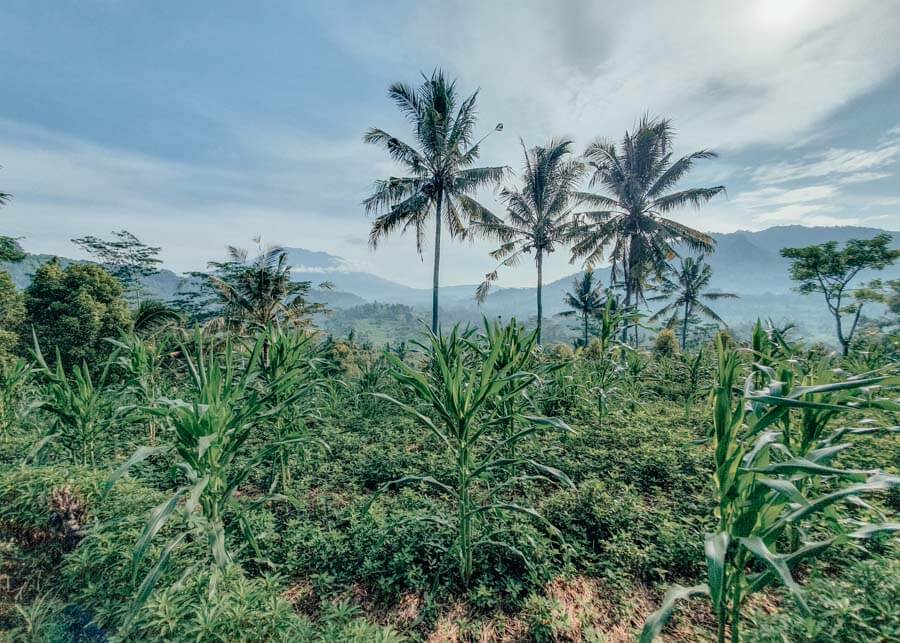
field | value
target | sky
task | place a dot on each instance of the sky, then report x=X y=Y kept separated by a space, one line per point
x=200 y=124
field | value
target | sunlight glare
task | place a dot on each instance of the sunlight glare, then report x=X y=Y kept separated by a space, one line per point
x=781 y=14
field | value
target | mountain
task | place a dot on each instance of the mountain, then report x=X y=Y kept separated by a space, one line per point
x=746 y=263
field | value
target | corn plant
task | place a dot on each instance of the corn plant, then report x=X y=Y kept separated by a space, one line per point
x=765 y=493
x=291 y=372
x=458 y=402
x=516 y=352
x=77 y=404
x=15 y=377
x=210 y=431
x=141 y=361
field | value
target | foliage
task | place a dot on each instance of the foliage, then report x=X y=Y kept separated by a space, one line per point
x=74 y=310
x=639 y=177
x=539 y=214
x=860 y=602
x=259 y=292
x=77 y=404
x=458 y=395
x=12 y=316
x=665 y=344
x=440 y=166
x=585 y=299
x=210 y=430
x=830 y=271
x=767 y=491
x=688 y=284
x=126 y=258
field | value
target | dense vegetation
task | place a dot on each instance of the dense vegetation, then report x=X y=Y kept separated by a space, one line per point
x=222 y=470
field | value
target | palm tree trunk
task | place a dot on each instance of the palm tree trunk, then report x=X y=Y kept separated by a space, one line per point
x=684 y=325
x=540 y=307
x=435 y=284
x=585 y=329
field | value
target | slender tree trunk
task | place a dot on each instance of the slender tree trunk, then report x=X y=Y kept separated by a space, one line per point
x=540 y=307
x=684 y=326
x=585 y=330
x=435 y=284
x=845 y=345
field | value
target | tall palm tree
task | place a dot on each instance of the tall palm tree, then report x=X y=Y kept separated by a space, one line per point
x=639 y=177
x=586 y=299
x=688 y=283
x=539 y=214
x=440 y=166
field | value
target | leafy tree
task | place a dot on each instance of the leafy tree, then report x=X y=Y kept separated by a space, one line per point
x=126 y=257
x=539 y=214
x=688 y=284
x=826 y=269
x=12 y=315
x=75 y=310
x=441 y=176
x=586 y=299
x=639 y=178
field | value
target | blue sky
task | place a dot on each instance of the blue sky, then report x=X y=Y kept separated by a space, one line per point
x=200 y=124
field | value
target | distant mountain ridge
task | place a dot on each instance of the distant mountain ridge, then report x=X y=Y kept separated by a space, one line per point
x=745 y=262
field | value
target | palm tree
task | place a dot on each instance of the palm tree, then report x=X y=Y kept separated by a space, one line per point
x=688 y=283
x=539 y=214
x=586 y=300
x=259 y=292
x=638 y=178
x=440 y=167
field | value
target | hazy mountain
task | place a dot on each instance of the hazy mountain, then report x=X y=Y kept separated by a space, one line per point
x=746 y=263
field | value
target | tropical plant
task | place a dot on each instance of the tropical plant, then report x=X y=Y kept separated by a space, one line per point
x=292 y=373
x=153 y=316
x=209 y=444
x=766 y=494
x=12 y=316
x=259 y=292
x=639 y=178
x=539 y=214
x=77 y=404
x=688 y=284
x=141 y=361
x=441 y=176
x=15 y=377
x=463 y=400
x=827 y=270
x=585 y=299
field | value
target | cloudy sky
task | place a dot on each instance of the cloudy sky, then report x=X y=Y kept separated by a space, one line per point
x=200 y=124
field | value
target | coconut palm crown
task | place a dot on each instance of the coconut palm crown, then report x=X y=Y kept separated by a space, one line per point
x=441 y=176
x=688 y=284
x=538 y=214
x=640 y=179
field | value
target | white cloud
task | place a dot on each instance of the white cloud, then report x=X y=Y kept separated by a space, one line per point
x=854 y=162
x=729 y=74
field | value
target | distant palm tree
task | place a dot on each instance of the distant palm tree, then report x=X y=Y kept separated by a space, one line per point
x=638 y=178
x=259 y=292
x=586 y=299
x=688 y=283
x=441 y=177
x=539 y=214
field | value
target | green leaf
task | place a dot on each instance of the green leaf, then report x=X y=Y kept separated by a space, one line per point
x=138 y=456
x=778 y=564
x=716 y=548
x=654 y=624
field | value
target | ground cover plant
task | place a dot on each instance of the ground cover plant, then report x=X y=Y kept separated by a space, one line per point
x=219 y=468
